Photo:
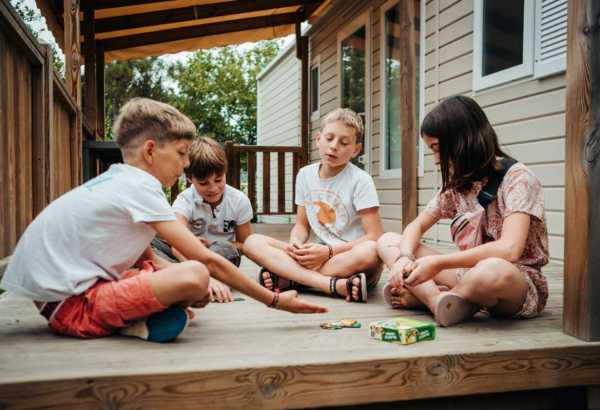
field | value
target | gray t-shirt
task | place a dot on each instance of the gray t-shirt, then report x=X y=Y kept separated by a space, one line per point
x=234 y=210
x=332 y=204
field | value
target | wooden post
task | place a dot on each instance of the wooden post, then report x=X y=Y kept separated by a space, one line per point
x=72 y=50
x=581 y=307
x=100 y=90
x=91 y=81
x=302 y=54
x=73 y=83
x=408 y=112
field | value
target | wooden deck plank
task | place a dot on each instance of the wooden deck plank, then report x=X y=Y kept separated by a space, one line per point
x=244 y=354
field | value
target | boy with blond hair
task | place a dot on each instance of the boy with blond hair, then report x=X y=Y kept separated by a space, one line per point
x=76 y=259
x=338 y=202
x=216 y=213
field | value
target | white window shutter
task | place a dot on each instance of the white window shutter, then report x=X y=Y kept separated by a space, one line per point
x=550 y=37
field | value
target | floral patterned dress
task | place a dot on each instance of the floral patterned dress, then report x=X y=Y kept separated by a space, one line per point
x=519 y=192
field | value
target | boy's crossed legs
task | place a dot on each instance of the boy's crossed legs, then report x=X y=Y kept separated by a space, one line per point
x=456 y=294
x=270 y=253
x=145 y=303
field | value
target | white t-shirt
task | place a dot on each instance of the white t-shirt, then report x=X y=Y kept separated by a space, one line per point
x=234 y=210
x=332 y=204
x=96 y=231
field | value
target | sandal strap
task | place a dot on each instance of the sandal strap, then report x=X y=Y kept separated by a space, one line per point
x=350 y=283
x=332 y=288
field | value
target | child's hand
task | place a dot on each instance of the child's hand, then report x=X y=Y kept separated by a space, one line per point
x=399 y=269
x=423 y=269
x=312 y=255
x=219 y=292
x=290 y=302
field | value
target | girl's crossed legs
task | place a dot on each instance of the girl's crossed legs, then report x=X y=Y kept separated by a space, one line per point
x=493 y=283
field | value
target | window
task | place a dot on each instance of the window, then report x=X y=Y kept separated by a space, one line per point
x=392 y=131
x=314 y=92
x=353 y=54
x=518 y=38
x=503 y=37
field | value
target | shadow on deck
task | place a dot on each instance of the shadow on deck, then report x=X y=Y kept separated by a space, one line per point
x=245 y=355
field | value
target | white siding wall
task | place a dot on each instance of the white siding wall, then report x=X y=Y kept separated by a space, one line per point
x=528 y=115
x=278 y=122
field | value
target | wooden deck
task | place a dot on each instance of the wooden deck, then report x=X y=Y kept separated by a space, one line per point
x=245 y=355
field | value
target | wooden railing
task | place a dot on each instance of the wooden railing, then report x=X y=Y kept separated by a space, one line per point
x=40 y=135
x=262 y=177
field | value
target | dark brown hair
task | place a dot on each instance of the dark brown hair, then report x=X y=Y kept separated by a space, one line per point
x=468 y=145
x=207 y=158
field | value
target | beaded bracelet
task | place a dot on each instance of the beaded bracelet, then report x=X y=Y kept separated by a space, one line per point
x=275 y=300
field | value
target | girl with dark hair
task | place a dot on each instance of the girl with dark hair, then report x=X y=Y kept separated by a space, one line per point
x=496 y=205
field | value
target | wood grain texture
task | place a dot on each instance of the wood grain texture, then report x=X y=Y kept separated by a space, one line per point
x=408 y=105
x=221 y=360
x=578 y=292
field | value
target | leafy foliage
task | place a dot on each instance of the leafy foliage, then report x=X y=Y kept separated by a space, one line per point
x=32 y=18
x=217 y=89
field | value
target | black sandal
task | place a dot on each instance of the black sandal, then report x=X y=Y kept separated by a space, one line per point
x=362 y=287
x=274 y=280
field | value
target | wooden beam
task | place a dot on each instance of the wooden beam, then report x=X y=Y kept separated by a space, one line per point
x=408 y=112
x=100 y=64
x=164 y=36
x=582 y=217
x=183 y=14
x=304 y=100
x=111 y=4
x=91 y=71
x=72 y=52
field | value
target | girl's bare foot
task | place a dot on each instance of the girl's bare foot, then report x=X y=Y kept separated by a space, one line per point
x=403 y=298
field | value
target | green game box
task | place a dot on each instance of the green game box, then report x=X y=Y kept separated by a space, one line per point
x=402 y=330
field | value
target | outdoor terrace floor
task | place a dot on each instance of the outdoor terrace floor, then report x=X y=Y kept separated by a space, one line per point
x=243 y=354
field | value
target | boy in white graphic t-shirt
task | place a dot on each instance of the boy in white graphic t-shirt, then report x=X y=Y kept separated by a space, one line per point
x=86 y=259
x=338 y=202
x=216 y=213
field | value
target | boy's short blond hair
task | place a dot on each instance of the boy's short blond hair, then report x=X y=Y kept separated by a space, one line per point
x=207 y=157
x=347 y=117
x=143 y=118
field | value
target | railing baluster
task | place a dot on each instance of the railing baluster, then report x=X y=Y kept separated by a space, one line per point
x=266 y=183
x=295 y=169
x=252 y=179
x=281 y=182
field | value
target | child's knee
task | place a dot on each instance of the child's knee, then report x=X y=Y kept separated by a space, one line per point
x=387 y=239
x=367 y=253
x=493 y=274
x=254 y=242
x=195 y=276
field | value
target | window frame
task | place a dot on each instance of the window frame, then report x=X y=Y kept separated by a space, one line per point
x=383 y=171
x=364 y=19
x=315 y=115
x=525 y=69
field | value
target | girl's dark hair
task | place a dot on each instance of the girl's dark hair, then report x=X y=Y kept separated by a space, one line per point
x=468 y=144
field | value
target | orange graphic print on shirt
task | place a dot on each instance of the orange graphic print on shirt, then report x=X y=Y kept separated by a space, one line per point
x=326 y=214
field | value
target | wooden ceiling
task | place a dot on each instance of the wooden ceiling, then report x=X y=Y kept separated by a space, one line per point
x=128 y=29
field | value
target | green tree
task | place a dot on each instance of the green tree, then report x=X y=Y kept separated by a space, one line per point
x=124 y=80
x=33 y=20
x=217 y=89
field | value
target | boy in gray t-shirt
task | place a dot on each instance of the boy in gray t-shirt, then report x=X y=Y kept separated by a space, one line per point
x=216 y=213
x=338 y=202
